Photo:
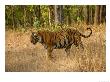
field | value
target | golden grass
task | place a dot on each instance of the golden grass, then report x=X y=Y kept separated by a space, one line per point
x=23 y=56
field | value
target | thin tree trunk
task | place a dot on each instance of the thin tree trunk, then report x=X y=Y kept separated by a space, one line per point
x=104 y=13
x=37 y=13
x=68 y=16
x=91 y=15
x=85 y=14
x=88 y=15
x=24 y=18
x=56 y=15
x=96 y=17
x=49 y=15
x=101 y=7
x=13 y=22
x=61 y=15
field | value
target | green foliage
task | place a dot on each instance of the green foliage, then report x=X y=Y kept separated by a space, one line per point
x=36 y=23
x=44 y=12
x=28 y=15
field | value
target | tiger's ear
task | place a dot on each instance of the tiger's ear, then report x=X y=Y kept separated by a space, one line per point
x=33 y=33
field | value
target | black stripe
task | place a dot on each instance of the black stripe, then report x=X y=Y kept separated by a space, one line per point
x=64 y=42
x=60 y=45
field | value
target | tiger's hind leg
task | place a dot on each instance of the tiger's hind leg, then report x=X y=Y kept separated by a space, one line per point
x=80 y=45
x=68 y=50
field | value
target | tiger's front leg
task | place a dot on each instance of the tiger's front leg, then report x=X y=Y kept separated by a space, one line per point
x=49 y=52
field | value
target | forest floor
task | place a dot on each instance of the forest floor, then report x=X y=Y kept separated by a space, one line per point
x=22 y=56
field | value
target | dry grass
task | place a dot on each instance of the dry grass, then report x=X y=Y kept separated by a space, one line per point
x=22 y=56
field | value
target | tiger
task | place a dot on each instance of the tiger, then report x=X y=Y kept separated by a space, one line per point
x=58 y=40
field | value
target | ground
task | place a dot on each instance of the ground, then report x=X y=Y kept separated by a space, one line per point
x=22 y=56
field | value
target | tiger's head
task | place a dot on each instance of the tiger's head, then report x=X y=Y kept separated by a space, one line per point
x=35 y=38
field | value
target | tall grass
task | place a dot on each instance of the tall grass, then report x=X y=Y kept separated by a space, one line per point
x=21 y=55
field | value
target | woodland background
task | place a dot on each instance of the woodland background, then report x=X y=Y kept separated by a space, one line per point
x=21 y=55
x=45 y=16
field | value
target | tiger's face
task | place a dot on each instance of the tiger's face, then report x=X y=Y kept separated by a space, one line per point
x=34 y=38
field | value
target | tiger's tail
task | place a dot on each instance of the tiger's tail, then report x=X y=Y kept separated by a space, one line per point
x=86 y=36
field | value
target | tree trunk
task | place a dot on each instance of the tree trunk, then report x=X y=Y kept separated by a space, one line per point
x=68 y=18
x=90 y=15
x=30 y=16
x=101 y=7
x=104 y=13
x=97 y=13
x=51 y=15
x=24 y=16
x=56 y=15
x=13 y=20
x=37 y=14
x=85 y=14
x=61 y=15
